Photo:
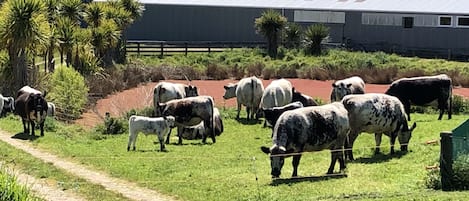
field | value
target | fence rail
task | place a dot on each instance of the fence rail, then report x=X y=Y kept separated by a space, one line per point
x=162 y=48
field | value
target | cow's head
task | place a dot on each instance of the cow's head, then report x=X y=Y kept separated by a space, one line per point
x=277 y=159
x=9 y=104
x=160 y=109
x=37 y=107
x=404 y=135
x=339 y=90
x=230 y=90
x=191 y=91
x=170 y=120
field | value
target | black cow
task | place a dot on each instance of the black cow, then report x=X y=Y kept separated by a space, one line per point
x=31 y=106
x=272 y=114
x=304 y=99
x=422 y=91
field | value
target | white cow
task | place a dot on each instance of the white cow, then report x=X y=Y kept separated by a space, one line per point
x=351 y=85
x=50 y=109
x=248 y=92
x=277 y=93
x=377 y=113
x=166 y=91
x=160 y=126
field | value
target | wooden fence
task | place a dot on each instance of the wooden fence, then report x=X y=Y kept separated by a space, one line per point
x=162 y=48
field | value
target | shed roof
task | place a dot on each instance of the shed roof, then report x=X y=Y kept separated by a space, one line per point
x=460 y=7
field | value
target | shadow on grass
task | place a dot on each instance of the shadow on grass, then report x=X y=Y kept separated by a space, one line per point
x=292 y=180
x=379 y=158
x=245 y=121
x=24 y=136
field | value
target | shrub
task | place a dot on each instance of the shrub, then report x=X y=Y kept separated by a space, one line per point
x=68 y=91
x=433 y=179
x=461 y=172
x=460 y=104
x=216 y=72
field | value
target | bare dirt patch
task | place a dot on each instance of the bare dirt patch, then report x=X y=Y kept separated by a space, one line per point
x=141 y=96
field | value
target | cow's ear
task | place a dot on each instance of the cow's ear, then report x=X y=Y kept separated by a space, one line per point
x=226 y=87
x=413 y=126
x=265 y=149
x=44 y=94
x=334 y=85
x=349 y=85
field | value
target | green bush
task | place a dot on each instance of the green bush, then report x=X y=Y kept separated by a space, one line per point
x=68 y=91
x=433 y=179
x=460 y=105
x=461 y=172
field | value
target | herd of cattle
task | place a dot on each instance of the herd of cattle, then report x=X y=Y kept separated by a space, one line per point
x=298 y=123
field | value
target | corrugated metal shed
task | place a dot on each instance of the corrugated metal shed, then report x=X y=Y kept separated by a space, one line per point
x=460 y=7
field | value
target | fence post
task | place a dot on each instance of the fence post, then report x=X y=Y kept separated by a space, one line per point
x=138 y=48
x=161 y=49
x=208 y=44
x=185 y=48
x=446 y=160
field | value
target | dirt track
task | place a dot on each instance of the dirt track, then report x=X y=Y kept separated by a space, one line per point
x=141 y=96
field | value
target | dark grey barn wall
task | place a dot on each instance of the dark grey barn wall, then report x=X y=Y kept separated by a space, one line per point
x=191 y=23
x=399 y=37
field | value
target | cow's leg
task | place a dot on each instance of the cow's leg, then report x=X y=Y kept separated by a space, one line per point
x=393 y=141
x=41 y=126
x=442 y=105
x=179 y=132
x=33 y=126
x=169 y=135
x=25 y=127
x=132 y=139
x=450 y=106
x=334 y=158
x=238 y=111
x=349 y=144
x=161 y=140
x=295 y=163
x=378 y=137
x=407 y=109
x=209 y=131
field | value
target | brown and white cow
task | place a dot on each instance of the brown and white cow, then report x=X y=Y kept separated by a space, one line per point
x=248 y=92
x=309 y=129
x=424 y=90
x=351 y=85
x=166 y=91
x=377 y=113
x=31 y=106
x=190 y=112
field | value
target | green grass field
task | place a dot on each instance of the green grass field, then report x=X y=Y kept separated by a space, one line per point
x=234 y=168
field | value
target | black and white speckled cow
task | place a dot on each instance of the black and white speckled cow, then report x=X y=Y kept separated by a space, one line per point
x=377 y=113
x=190 y=112
x=309 y=129
x=424 y=90
x=7 y=104
x=351 y=85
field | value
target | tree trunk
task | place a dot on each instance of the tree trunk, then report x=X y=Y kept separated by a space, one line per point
x=50 y=58
x=21 y=69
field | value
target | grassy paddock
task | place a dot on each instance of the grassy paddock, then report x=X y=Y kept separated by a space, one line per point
x=234 y=168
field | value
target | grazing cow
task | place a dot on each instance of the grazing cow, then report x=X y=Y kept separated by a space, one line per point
x=31 y=106
x=160 y=126
x=271 y=115
x=248 y=92
x=7 y=104
x=424 y=90
x=309 y=129
x=277 y=93
x=377 y=113
x=304 y=99
x=190 y=112
x=351 y=85
x=165 y=91
x=50 y=109
x=197 y=131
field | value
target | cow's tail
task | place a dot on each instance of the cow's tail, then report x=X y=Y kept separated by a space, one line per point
x=212 y=120
x=253 y=88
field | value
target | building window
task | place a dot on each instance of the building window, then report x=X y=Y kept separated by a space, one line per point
x=445 y=21
x=408 y=22
x=463 y=21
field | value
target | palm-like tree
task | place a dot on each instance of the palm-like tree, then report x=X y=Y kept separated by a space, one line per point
x=23 y=28
x=104 y=38
x=65 y=32
x=72 y=9
x=293 y=33
x=314 y=34
x=270 y=24
x=52 y=14
x=94 y=13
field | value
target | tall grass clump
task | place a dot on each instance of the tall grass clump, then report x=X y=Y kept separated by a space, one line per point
x=10 y=190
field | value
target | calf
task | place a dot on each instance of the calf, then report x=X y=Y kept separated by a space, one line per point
x=271 y=115
x=7 y=104
x=351 y=85
x=190 y=112
x=248 y=92
x=309 y=129
x=166 y=91
x=31 y=106
x=160 y=126
x=377 y=113
x=424 y=90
